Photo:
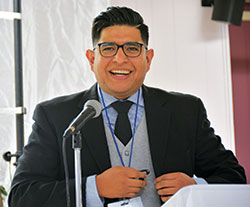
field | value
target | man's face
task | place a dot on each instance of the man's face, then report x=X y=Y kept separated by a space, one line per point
x=120 y=76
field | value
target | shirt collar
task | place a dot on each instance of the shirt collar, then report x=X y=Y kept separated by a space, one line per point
x=111 y=99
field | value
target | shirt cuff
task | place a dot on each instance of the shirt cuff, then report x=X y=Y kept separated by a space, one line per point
x=200 y=181
x=92 y=197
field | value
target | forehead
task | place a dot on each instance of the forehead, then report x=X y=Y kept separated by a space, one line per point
x=120 y=34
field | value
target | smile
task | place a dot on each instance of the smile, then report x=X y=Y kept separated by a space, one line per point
x=120 y=72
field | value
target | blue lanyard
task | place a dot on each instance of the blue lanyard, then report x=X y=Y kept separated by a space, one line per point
x=112 y=132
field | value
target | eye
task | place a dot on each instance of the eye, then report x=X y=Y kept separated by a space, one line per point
x=132 y=48
x=108 y=47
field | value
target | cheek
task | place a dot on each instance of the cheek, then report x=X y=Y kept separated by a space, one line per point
x=142 y=66
x=101 y=62
x=100 y=67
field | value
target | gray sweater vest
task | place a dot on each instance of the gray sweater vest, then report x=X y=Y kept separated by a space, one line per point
x=141 y=159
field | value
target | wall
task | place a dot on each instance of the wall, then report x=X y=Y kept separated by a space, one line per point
x=191 y=56
x=240 y=58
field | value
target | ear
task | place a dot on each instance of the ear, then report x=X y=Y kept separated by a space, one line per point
x=149 y=57
x=90 y=54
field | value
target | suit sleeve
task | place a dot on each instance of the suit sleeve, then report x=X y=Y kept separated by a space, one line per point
x=212 y=161
x=39 y=179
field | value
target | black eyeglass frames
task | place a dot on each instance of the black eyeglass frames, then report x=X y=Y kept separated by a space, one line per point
x=130 y=49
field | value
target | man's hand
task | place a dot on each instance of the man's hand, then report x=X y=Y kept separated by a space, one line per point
x=120 y=182
x=168 y=184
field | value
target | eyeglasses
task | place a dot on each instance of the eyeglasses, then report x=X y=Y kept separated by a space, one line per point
x=130 y=49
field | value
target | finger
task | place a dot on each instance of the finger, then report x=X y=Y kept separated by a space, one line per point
x=159 y=179
x=142 y=175
x=137 y=183
x=169 y=176
x=167 y=191
x=134 y=173
x=175 y=175
x=130 y=195
x=165 y=198
x=165 y=183
x=133 y=190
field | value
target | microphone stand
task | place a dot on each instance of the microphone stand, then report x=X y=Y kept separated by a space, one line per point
x=77 y=146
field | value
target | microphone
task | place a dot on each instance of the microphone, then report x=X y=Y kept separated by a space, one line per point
x=92 y=109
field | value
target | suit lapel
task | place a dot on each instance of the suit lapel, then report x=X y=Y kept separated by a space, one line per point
x=158 y=117
x=94 y=134
x=97 y=143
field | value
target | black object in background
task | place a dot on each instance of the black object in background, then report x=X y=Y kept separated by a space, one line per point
x=229 y=11
x=226 y=10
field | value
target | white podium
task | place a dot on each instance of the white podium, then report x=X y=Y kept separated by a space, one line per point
x=211 y=196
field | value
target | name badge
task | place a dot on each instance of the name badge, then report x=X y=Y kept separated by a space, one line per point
x=133 y=202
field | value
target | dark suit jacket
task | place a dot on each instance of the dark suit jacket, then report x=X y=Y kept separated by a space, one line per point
x=180 y=137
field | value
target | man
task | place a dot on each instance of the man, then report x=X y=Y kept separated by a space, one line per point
x=171 y=138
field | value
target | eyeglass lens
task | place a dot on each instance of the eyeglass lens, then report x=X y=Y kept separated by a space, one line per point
x=132 y=49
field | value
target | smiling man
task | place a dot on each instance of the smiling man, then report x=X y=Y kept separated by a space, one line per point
x=120 y=60
x=146 y=145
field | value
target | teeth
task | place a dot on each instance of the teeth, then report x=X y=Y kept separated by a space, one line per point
x=124 y=72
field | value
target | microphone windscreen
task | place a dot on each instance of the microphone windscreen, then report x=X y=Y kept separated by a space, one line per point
x=94 y=104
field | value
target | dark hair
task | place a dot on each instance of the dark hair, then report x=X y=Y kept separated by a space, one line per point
x=118 y=16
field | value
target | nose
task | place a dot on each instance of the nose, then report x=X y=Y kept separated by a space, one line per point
x=120 y=57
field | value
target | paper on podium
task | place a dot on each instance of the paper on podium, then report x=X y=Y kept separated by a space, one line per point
x=211 y=196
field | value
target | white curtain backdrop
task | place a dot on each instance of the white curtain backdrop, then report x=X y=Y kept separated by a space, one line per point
x=7 y=93
x=191 y=56
x=55 y=35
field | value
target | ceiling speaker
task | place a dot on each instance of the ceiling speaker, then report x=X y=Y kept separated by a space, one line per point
x=226 y=10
